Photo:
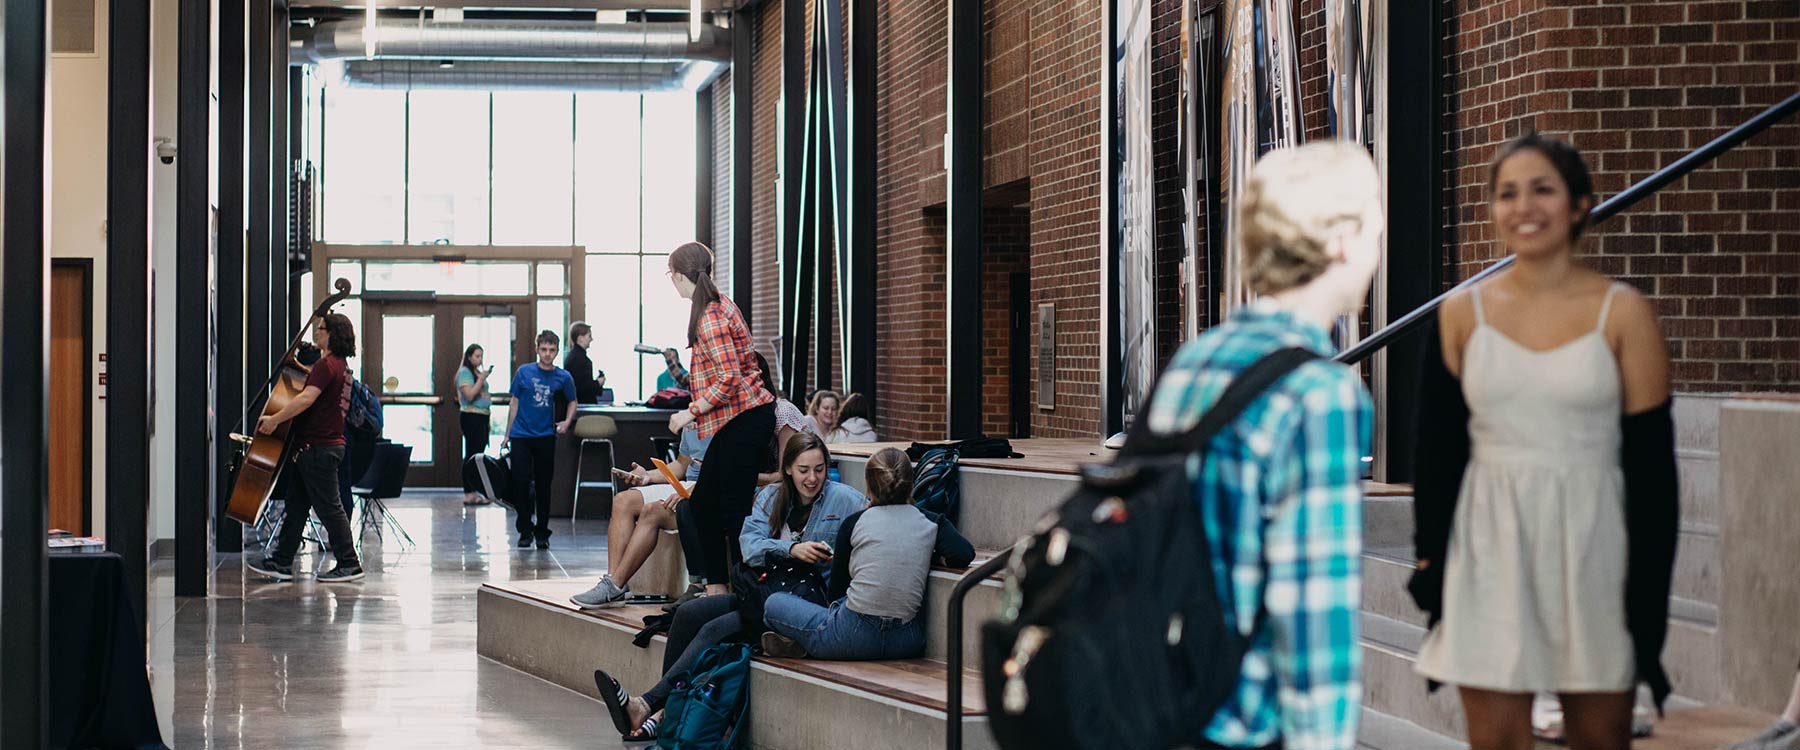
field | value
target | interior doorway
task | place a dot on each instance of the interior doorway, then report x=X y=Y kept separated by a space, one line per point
x=71 y=395
x=416 y=308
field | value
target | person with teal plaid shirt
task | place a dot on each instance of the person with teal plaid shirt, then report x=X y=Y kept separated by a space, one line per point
x=1282 y=487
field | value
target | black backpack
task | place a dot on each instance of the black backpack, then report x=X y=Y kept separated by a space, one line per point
x=937 y=486
x=1112 y=633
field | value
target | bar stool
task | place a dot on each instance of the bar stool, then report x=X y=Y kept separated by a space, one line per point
x=592 y=428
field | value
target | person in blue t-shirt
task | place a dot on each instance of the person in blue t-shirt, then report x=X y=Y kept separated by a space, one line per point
x=531 y=429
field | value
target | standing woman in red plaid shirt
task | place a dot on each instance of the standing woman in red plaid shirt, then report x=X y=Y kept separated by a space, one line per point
x=731 y=406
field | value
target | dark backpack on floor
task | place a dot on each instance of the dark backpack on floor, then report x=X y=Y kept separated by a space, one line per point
x=1119 y=638
x=937 y=486
x=488 y=476
x=709 y=709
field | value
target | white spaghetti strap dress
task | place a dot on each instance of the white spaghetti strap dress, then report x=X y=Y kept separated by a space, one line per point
x=1534 y=578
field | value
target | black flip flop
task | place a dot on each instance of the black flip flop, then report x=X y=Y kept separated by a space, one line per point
x=616 y=700
x=645 y=733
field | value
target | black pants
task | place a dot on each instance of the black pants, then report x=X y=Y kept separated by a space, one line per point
x=533 y=462
x=344 y=479
x=699 y=624
x=687 y=530
x=316 y=491
x=475 y=433
x=727 y=486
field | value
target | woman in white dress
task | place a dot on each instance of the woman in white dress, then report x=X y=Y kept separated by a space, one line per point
x=1554 y=362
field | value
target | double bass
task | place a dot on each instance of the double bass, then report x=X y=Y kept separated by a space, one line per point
x=265 y=455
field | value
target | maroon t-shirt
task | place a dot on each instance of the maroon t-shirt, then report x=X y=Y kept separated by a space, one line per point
x=323 y=422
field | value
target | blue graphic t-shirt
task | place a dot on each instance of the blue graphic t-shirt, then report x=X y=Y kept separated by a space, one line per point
x=534 y=392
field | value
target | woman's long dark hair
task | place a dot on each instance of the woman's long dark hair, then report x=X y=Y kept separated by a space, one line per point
x=797 y=445
x=470 y=352
x=694 y=261
x=855 y=405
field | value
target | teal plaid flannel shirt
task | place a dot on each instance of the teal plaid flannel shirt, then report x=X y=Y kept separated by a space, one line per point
x=1283 y=483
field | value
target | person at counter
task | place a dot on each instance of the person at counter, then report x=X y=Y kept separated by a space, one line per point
x=580 y=368
x=531 y=429
x=674 y=375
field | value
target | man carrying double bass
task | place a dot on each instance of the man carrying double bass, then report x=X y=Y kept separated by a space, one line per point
x=318 y=437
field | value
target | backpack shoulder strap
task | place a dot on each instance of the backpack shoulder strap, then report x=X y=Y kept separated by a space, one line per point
x=1243 y=391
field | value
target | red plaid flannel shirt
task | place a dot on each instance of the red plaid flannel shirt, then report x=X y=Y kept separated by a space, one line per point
x=725 y=372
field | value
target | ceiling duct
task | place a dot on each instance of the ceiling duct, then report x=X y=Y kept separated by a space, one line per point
x=512 y=40
x=533 y=75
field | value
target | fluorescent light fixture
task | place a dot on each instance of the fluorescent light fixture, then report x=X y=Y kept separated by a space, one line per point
x=369 y=30
x=694 y=21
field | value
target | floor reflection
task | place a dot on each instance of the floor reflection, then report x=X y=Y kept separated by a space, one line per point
x=386 y=663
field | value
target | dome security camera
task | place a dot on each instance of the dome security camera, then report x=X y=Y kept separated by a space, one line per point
x=165 y=151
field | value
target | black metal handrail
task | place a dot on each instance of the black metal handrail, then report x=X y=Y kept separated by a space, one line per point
x=953 y=660
x=1626 y=199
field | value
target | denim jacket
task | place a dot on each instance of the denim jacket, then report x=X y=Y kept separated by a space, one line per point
x=836 y=502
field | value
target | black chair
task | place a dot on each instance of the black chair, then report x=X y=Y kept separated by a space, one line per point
x=384 y=480
x=665 y=448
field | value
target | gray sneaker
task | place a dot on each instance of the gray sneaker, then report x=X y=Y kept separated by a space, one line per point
x=1782 y=735
x=603 y=594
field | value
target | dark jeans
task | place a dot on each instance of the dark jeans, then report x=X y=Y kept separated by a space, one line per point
x=727 y=487
x=475 y=433
x=687 y=530
x=533 y=462
x=699 y=624
x=316 y=491
x=344 y=478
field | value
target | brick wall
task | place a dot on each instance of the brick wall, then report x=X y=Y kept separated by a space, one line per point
x=1635 y=86
x=720 y=92
x=1065 y=205
x=764 y=170
x=1005 y=250
x=909 y=318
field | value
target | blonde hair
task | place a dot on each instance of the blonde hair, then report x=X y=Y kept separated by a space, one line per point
x=1294 y=202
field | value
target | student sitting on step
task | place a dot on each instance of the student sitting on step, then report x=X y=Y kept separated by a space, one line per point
x=795 y=520
x=639 y=517
x=854 y=426
x=880 y=567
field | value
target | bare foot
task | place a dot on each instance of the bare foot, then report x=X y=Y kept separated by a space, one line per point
x=636 y=710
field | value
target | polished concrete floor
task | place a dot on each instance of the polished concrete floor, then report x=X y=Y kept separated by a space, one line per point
x=386 y=663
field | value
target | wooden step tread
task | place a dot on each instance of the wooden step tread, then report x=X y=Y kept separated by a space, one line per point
x=917 y=682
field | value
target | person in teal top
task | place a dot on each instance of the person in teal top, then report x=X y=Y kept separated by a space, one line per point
x=675 y=376
x=475 y=403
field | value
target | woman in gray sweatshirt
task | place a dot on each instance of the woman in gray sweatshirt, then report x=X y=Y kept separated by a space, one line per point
x=879 y=569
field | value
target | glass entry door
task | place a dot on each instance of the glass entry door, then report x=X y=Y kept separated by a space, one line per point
x=414 y=351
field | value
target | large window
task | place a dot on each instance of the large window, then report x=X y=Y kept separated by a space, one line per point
x=611 y=172
x=447 y=168
x=365 y=134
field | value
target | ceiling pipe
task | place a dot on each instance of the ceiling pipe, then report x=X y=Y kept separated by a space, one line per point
x=510 y=40
x=501 y=75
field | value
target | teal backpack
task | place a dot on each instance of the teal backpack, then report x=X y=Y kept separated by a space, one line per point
x=709 y=709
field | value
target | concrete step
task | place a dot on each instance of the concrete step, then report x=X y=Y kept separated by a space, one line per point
x=795 y=703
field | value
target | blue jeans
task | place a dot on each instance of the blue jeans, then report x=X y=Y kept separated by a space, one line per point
x=840 y=634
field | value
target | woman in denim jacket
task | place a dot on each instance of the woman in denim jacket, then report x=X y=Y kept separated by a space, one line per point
x=804 y=500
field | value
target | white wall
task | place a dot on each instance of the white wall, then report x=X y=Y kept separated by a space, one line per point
x=163 y=60
x=77 y=137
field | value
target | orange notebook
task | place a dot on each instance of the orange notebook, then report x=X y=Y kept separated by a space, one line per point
x=669 y=474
